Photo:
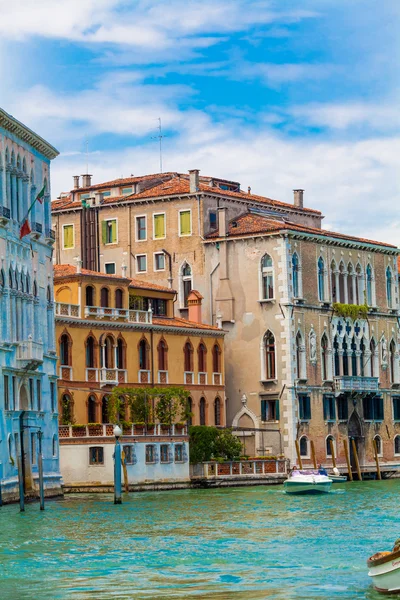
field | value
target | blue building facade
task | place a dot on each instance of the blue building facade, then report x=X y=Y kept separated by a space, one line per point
x=28 y=381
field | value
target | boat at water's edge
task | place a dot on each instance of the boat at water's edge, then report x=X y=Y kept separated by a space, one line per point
x=307 y=482
x=384 y=570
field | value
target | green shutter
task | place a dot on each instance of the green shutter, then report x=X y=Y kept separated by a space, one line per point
x=113 y=231
x=185 y=227
x=104 y=232
x=277 y=414
x=326 y=409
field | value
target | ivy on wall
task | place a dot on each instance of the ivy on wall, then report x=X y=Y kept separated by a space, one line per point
x=350 y=311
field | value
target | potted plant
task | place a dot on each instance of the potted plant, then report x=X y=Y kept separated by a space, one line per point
x=78 y=430
x=179 y=428
x=95 y=429
x=165 y=429
x=150 y=428
x=126 y=427
x=138 y=428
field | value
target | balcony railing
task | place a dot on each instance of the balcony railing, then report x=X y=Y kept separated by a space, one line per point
x=5 y=213
x=144 y=376
x=140 y=316
x=50 y=234
x=188 y=377
x=92 y=374
x=217 y=378
x=106 y=430
x=66 y=372
x=253 y=468
x=67 y=310
x=132 y=316
x=30 y=352
x=202 y=378
x=162 y=377
x=356 y=384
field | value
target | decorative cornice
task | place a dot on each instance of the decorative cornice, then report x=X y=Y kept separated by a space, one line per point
x=27 y=135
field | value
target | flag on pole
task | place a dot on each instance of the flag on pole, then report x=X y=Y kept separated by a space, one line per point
x=40 y=195
x=25 y=229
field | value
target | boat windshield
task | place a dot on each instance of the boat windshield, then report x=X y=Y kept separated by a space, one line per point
x=310 y=472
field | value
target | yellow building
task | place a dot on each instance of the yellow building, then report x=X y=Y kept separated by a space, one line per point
x=113 y=331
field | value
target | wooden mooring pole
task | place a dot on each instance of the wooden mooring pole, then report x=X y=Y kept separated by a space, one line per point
x=378 y=469
x=313 y=454
x=346 y=452
x=125 y=470
x=353 y=444
x=332 y=445
x=298 y=455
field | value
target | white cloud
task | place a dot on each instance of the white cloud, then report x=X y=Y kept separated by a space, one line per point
x=276 y=74
x=382 y=116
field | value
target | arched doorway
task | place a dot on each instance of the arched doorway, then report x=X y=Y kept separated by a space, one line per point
x=355 y=432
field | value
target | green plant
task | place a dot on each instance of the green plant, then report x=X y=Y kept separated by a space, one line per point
x=350 y=311
x=66 y=410
x=207 y=443
x=228 y=445
x=78 y=426
x=94 y=425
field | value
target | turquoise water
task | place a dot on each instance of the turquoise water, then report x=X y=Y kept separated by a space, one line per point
x=234 y=543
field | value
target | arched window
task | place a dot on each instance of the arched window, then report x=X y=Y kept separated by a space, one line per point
x=350 y=287
x=49 y=295
x=120 y=353
x=341 y=292
x=217 y=411
x=354 y=357
x=369 y=285
x=104 y=297
x=372 y=348
x=321 y=279
x=55 y=445
x=359 y=285
x=397 y=444
x=389 y=286
x=216 y=358
x=188 y=356
x=187 y=282
x=104 y=409
x=35 y=290
x=345 y=359
x=27 y=284
x=66 y=409
x=89 y=295
x=267 y=278
x=108 y=353
x=190 y=411
x=65 y=350
x=162 y=356
x=202 y=411
x=202 y=358
x=392 y=357
x=334 y=287
x=269 y=344
x=362 y=358
x=328 y=440
x=325 y=358
x=119 y=298
x=90 y=354
x=10 y=448
x=378 y=442
x=296 y=275
x=91 y=408
x=303 y=446
x=10 y=279
x=143 y=355
x=300 y=357
x=2 y=278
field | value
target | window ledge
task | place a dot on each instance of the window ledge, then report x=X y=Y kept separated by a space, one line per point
x=326 y=303
x=301 y=380
x=271 y=421
x=268 y=381
x=304 y=420
x=298 y=300
x=267 y=301
x=327 y=421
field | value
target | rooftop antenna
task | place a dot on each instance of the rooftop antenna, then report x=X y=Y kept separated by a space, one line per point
x=159 y=137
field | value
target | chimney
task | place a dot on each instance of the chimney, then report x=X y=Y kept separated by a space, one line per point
x=298 y=198
x=76 y=182
x=249 y=190
x=78 y=265
x=222 y=221
x=194 y=306
x=194 y=180
x=86 y=180
x=98 y=198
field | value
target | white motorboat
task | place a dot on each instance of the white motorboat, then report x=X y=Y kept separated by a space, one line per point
x=384 y=570
x=337 y=478
x=307 y=482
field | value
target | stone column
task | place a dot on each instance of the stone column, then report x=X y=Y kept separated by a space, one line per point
x=346 y=294
x=354 y=285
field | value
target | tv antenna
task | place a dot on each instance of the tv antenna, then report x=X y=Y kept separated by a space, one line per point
x=159 y=137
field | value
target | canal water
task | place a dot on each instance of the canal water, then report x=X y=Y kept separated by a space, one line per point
x=222 y=544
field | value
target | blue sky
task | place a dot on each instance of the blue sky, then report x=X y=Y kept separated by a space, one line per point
x=275 y=94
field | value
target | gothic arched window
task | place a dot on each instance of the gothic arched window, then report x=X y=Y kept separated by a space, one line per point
x=321 y=279
x=89 y=295
x=91 y=409
x=202 y=358
x=296 y=275
x=303 y=446
x=325 y=358
x=389 y=286
x=392 y=356
x=369 y=285
x=216 y=358
x=217 y=411
x=162 y=356
x=188 y=357
x=202 y=411
x=119 y=298
x=372 y=347
x=120 y=353
x=90 y=345
x=270 y=362
x=328 y=440
x=143 y=355
x=65 y=354
x=267 y=278
x=187 y=282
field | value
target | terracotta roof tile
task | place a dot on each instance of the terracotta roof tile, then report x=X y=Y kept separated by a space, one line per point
x=250 y=224
x=178 y=322
x=127 y=181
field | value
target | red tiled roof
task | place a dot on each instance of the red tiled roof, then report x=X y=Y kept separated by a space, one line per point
x=70 y=270
x=122 y=181
x=178 y=322
x=250 y=224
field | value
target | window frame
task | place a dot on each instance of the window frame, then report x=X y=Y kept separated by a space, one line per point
x=329 y=408
x=184 y=210
x=153 y=452
x=137 y=217
x=182 y=448
x=157 y=214
x=265 y=273
x=131 y=460
x=155 y=254
x=99 y=463
x=304 y=415
x=110 y=263
x=65 y=225
x=266 y=404
x=394 y=445
x=109 y=220
x=137 y=263
x=164 y=448
x=397 y=398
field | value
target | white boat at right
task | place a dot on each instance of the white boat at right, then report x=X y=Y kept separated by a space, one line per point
x=307 y=482
x=384 y=570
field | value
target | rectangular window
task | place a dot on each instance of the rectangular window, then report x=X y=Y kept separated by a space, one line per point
x=378 y=408
x=269 y=410
x=304 y=407
x=84 y=196
x=185 y=222
x=109 y=231
x=31 y=394
x=373 y=408
x=68 y=237
x=53 y=396
x=141 y=263
x=33 y=448
x=150 y=454
x=342 y=408
x=159 y=261
x=127 y=190
x=106 y=194
x=396 y=407
x=159 y=226
x=14 y=391
x=159 y=307
x=96 y=455
x=329 y=407
x=128 y=451
x=164 y=455
x=6 y=393
x=178 y=452
x=213 y=220
x=39 y=394
x=110 y=268
x=141 y=233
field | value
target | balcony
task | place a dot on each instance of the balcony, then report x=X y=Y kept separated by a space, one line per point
x=30 y=353
x=202 y=379
x=162 y=377
x=217 y=378
x=67 y=310
x=66 y=372
x=50 y=235
x=132 y=316
x=188 y=377
x=37 y=230
x=356 y=384
x=144 y=376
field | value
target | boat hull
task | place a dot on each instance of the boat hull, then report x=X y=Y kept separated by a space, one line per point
x=302 y=487
x=385 y=573
x=338 y=478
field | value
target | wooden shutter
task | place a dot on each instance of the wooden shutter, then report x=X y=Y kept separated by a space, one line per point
x=113 y=231
x=68 y=236
x=104 y=232
x=185 y=223
x=159 y=226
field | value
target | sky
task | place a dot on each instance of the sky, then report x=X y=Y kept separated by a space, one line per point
x=275 y=94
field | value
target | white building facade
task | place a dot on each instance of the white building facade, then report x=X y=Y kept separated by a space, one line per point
x=28 y=382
